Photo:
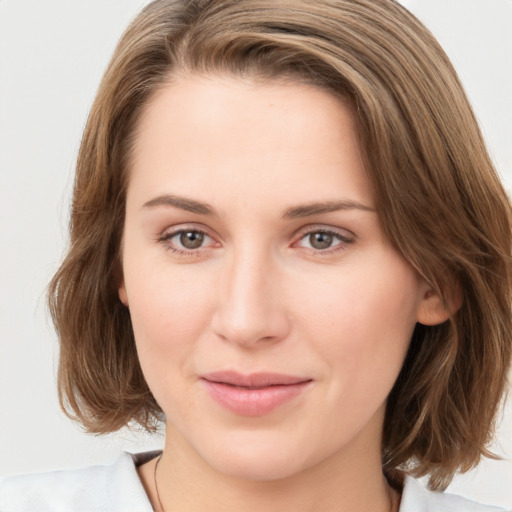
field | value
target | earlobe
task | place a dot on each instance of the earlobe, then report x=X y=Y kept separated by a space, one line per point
x=123 y=297
x=121 y=291
x=433 y=311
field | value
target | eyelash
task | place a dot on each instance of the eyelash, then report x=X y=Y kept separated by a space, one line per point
x=167 y=237
x=343 y=240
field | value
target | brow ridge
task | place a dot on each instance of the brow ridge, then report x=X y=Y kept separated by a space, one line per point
x=299 y=211
x=308 y=210
x=183 y=203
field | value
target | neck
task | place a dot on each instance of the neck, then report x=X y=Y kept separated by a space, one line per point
x=337 y=483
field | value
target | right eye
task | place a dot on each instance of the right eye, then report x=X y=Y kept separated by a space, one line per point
x=186 y=241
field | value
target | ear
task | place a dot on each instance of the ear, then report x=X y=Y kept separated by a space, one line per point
x=123 y=296
x=121 y=291
x=433 y=311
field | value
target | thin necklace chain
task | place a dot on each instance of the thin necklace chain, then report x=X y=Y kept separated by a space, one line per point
x=156 y=485
x=391 y=501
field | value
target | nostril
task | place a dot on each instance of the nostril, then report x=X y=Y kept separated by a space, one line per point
x=268 y=328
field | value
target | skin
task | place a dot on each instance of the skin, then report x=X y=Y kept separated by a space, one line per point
x=260 y=293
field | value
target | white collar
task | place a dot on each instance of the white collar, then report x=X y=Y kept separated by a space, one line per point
x=117 y=488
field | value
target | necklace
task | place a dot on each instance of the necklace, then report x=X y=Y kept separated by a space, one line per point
x=390 y=492
x=156 y=485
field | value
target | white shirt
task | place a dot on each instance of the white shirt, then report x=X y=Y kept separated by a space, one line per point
x=117 y=488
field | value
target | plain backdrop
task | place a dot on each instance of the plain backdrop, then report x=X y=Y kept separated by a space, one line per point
x=53 y=53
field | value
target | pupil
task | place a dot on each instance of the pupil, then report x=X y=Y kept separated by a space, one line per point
x=191 y=239
x=320 y=240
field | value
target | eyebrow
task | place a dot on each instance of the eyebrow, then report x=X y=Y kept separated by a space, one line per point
x=183 y=203
x=300 y=211
x=308 y=210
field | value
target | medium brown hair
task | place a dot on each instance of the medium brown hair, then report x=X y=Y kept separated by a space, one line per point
x=438 y=197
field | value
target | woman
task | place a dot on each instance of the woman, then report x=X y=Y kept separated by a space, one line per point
x=289 y=244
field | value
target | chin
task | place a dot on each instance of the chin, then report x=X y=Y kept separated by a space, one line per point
x=263 y=467
x=257 y=459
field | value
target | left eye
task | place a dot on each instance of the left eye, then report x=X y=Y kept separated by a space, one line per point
x=322 y=240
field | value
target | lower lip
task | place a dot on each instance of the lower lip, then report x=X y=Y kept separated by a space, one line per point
x=253 y=402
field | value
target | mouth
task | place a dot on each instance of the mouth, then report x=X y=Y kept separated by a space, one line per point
x=254 y=394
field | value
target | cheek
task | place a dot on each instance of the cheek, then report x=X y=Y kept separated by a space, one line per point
x=363 y=321
x=169 y=312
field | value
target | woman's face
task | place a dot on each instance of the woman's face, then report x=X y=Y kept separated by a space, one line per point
x=271 y=314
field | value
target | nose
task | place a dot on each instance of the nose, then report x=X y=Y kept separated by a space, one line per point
x=250 y=310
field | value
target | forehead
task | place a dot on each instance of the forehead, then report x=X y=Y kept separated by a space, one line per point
x=219 y=135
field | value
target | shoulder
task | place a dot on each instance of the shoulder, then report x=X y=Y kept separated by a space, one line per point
x=415 y=498
x=110 y=488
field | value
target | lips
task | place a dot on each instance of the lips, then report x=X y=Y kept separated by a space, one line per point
x=254 y=394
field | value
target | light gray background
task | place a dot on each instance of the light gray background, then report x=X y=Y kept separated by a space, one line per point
x=53 y=53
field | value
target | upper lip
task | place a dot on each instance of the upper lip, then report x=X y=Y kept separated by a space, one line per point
x=260 y=379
